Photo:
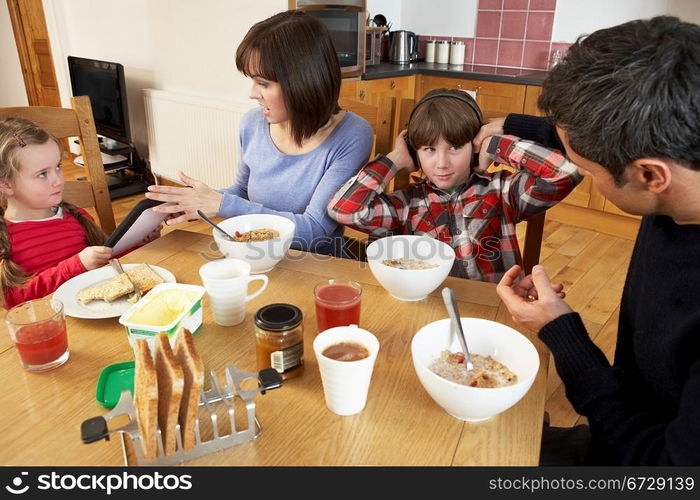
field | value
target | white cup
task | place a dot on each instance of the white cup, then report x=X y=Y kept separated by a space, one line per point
x=346 y=383
x=226 y=282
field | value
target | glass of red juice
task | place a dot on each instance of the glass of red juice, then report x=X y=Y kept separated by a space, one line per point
x=38 y=329
x=337 y=303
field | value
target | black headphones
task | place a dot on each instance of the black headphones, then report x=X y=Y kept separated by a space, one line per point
x=462 y=96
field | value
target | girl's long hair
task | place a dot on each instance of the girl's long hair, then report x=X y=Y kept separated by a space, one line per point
x=15 y=134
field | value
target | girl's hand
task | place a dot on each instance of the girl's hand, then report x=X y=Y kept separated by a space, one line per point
x=400 y=155
x=182 y=203
x=95 y=257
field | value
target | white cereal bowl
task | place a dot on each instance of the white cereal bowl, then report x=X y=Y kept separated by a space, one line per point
x=410 y=284
x=484 y=337
x=261 y=255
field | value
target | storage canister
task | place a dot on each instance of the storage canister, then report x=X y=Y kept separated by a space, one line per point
x=279 y=339
x=457 y=52
x=430 y=51
x=442 y=51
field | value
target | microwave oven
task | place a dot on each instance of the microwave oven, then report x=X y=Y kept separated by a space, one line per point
x=345 y=20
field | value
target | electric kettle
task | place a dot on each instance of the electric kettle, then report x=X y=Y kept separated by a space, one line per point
x=404 y=47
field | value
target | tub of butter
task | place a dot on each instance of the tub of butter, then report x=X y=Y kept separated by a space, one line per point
x=166 y=308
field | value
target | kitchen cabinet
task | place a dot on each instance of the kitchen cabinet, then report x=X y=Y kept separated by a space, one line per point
x=494 y=98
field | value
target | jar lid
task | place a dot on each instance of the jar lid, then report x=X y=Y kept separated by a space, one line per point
x=442 y=41
x=278 y=317
x=457 y=42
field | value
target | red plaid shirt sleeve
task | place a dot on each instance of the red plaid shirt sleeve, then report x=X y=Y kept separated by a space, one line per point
x=544 y=176
x=362 y=204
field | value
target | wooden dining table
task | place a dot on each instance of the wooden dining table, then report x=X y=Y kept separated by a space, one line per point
x=400 y=424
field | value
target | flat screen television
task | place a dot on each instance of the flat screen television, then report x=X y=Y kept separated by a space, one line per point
x=103 y=83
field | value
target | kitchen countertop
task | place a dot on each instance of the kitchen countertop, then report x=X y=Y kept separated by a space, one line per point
x=476 y=72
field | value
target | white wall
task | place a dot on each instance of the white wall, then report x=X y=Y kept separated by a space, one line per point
x=687 y=10
x=12 y=92
x=434 y=17
x=177 y=45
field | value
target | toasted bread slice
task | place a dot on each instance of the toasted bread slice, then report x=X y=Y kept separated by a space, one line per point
x=171 y=382
x=146 y=399
x=107 y=291
x=144 y=277
x=193 y=368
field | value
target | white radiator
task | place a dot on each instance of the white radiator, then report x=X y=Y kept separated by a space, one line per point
x=196 y=135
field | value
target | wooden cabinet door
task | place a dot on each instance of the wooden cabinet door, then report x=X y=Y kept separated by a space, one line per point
x=495 y=98
x=368 y=91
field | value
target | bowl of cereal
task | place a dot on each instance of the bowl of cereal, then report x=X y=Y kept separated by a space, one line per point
x=505 y=366
x=259 y=239
x=410 y=267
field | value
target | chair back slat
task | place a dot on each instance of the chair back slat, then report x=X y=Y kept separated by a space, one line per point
x=60 y=122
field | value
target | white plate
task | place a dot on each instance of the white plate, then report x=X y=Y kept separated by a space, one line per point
x=98 y=309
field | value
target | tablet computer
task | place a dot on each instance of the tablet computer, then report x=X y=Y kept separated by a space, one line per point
x=138 y=224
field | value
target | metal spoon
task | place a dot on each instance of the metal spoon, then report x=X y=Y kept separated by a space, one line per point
x=448 y=296
x=211 y=223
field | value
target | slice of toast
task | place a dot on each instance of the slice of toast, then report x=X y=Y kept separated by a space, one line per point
x=171 y=382
x=193 y=368
x=144 y=277
x=107 y=291
x=146 y=399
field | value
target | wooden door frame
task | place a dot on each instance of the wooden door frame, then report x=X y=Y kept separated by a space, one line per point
x=25 y=28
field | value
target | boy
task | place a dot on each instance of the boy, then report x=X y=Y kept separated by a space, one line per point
x=473 y=211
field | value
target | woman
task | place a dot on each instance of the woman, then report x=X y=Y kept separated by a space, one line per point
x=297 y=148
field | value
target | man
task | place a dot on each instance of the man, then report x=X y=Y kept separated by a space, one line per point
x=625 y=103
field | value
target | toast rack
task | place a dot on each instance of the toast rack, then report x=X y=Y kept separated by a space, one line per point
x=217 y=397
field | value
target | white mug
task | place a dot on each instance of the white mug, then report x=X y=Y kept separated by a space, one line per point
x=226 y=282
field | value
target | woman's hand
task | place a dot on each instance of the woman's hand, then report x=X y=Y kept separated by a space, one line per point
x=400 y=155
x=533 y=301
x=182 y=203
x=94 y=257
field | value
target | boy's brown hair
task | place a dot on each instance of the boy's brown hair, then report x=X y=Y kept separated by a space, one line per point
x=295 y=50
x=452 y=118
x=16 y=134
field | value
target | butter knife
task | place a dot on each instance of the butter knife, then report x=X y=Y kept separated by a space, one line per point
x=117 y=266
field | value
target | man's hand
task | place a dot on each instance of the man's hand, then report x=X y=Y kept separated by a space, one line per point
x=533 y=301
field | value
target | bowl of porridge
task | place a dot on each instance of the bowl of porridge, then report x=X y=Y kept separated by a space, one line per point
x=505 y=366
x=410 y=267
x=259 y=239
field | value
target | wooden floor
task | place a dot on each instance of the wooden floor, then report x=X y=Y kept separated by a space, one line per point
x=591 y=265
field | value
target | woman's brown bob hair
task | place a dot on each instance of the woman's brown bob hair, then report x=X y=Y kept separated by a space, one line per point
x=451 y=118
x=295 y=50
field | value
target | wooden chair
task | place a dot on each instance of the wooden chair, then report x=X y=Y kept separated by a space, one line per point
x=380 y=117
x=76 y=122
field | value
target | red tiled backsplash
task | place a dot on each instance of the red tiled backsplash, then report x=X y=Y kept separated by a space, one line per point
x=510 y=33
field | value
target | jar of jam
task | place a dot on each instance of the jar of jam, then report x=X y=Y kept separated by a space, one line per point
x=280 y=339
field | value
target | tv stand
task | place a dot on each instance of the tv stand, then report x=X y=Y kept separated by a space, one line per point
x=126 y=176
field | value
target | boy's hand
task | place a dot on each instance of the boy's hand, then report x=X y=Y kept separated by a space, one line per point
x=533 y=301
x=493 y=126
x=485 y=158
x=94 y=257
x=400 y=155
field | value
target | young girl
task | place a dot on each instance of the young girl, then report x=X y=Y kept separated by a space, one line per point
x=473 y=211
x=44 y=241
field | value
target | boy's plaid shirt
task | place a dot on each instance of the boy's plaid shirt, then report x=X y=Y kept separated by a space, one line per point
x=477 y=220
